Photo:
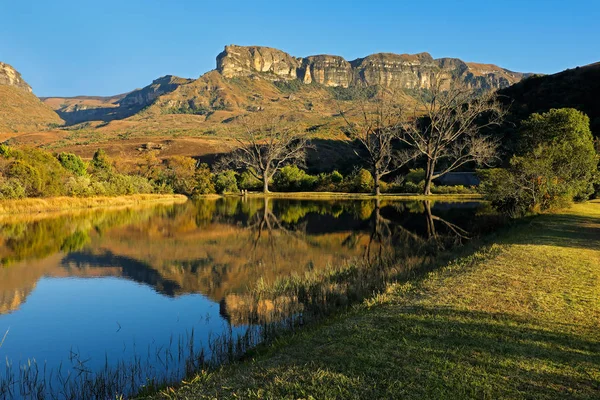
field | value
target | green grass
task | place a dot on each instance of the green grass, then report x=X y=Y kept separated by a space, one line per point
x=514 y=319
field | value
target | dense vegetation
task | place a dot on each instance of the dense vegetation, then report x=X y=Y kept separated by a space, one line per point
x=555 y=163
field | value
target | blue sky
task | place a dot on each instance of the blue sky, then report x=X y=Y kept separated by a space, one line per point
x=68 y=48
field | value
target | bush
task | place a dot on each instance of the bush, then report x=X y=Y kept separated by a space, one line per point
x=27 y=175
x=362 y=181
x=101 y=161
x=556 y=164
x=415 y=176
x=247 y=181
x=11 y=189
x=292 y=178
x=72 y=163
x=203 y=181
x=226 y=182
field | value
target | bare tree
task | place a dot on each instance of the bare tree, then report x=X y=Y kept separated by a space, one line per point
x=447 y=124
x=376 y=126
x=264 y=146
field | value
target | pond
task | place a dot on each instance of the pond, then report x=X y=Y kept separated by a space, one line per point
x=111 y=301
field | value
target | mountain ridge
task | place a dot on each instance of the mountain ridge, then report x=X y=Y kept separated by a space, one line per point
x=391 y=70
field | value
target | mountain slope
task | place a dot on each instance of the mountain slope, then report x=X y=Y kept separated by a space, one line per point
x=577 y=88
x=252 y=78
x=20 y=109
x=94 y=108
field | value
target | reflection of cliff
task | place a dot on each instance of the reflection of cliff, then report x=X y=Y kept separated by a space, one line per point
x=20 y=279
x=222 y=249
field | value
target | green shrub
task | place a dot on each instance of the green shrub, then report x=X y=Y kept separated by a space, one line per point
x=11 y=189
x=556 y=164
x=415 y=176
x=72 y=163
x=226 y=182
x=247 y=181
x=203 y=181
x=101 y=161
x=362 y=181
x=292 y=178
x=27 y=175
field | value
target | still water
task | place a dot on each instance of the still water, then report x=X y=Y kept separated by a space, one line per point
x=101 y=302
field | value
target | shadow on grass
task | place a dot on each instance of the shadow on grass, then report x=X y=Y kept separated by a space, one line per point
x=563 y=230
x=421 y=352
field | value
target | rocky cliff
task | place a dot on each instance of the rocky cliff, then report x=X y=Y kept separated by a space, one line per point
x=11 y=77
x=20 y=109
x=406 y=71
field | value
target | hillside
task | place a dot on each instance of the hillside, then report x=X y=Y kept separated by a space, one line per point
x=79 y=109
x=577 y=88
x=20 y=109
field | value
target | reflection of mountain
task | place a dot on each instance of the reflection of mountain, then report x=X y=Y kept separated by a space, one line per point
x=221 y=249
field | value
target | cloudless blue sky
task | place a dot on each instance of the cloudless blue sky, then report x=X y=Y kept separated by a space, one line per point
x=105 y=47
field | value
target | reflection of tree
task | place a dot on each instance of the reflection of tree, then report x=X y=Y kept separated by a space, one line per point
x=265 y=222
x=389 y=240
x=453 y=233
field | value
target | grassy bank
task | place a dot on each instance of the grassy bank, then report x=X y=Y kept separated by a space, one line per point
x=55 y=204
x=365 y=196
x=516 y=319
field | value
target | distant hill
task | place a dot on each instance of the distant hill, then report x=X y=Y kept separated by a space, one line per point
x=20 y=109
x=577 y=88
x=94 y=108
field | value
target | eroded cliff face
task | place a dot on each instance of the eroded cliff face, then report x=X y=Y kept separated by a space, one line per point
x=11 y=77
x=406 y=71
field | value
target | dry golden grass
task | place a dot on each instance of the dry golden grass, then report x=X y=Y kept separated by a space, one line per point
x=54 y=204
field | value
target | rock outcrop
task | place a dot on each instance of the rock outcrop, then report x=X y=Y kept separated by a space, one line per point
x=11 y=77
x=20 y=109
x=406 y=71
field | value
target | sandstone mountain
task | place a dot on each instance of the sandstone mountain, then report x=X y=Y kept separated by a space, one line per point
x=256 y=78
x=20 y=109
x=404 y=71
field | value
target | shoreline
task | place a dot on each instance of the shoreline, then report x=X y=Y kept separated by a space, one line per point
x=360 y=196
x=34 y=206
x=516 y=307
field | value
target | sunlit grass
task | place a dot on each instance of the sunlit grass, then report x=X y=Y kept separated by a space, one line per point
x=53 y=204
x=517 y=318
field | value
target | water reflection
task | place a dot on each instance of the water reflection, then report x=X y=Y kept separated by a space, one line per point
x=224 y=247
x=211 y=266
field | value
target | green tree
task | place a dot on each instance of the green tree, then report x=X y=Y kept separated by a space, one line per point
x=290 y=178
x=101 y=161
x=203 y=180
x=225 y=182
x=72 y=163
x=556 y=164
x=27 y=175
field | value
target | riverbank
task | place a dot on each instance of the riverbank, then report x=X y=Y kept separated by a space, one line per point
x=56 y=204
x=365 y=196
x=516 y=319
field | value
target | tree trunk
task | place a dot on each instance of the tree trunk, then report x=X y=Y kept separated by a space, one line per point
x=265 y=182
x=376 y=185
x=428 y=177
